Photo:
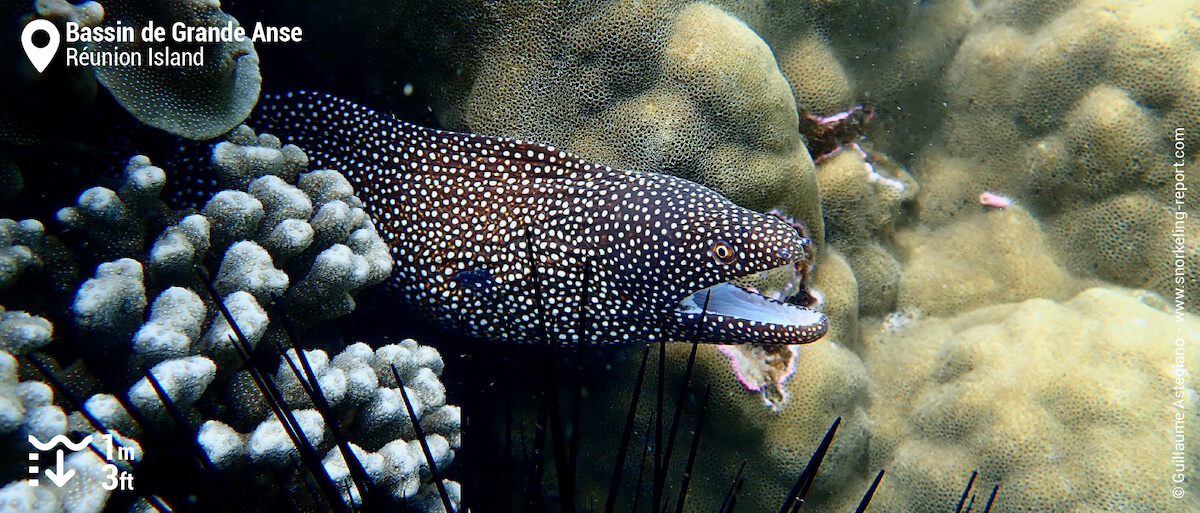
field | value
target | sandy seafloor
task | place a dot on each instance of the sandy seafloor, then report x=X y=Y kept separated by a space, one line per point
x=1006 y=255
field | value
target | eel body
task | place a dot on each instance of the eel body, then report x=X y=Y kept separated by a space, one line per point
x=515 y=241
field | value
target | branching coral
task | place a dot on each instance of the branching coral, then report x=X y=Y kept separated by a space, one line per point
x=284 y=233
x=27 y=407
x=358 y=379
x=1061 y=106
x=266 y=234
x=22 y=246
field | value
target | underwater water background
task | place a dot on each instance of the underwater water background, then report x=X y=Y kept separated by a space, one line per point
x=996 y=195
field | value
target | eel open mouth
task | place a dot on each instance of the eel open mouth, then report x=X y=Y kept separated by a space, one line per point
x=736 y=315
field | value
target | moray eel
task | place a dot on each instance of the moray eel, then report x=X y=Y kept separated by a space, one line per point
x=516 y=241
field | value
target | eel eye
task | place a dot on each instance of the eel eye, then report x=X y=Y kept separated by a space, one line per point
x=723 y=253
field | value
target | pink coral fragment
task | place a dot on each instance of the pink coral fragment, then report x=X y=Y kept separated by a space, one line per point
x=988 y=199
x=763 y=368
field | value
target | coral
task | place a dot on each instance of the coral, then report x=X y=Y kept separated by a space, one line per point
x=147 y=309
x=250 y=318
x=1061 y=106
x=819 y=82
x=269 y=444
x=27 y=256
x=1076 y=422
x=87 y=14
x=1069 y=166
x=862 y=201
x=244 y=157
x=183 y=381
x=837 y=291
x=1097 y=89
x=21 y=333
x=175 y=321
x=233 y=215
x=27 y=407
x=196 y=102
x=942 y=271
x=264 y=234
x=829 y=381
x=180 y=246
x=81 y=493
x=21 y=245
x=109 y=412
x=118 y=220
x=224 y=446
x=22 y=498
x=1116 y=240
x=249 y=268
x=110 y=305
x=358 y=379
x=947 y=396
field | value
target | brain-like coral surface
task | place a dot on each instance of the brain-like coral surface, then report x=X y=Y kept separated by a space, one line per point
x=1068 y=109
x=998 y=256
x=1075 y=109
x=1067 y=406
x=829 y=381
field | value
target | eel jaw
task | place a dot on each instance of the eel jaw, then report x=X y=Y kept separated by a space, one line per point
x=736 y=315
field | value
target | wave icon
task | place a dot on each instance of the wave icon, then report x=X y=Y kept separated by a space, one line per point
x=60 y=439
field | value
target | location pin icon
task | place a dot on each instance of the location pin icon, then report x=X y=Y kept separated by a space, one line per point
x=40 y=57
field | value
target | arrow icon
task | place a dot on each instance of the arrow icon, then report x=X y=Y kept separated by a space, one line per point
x=59 y=477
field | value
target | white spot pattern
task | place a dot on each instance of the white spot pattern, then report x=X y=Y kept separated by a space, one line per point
x=515 y=241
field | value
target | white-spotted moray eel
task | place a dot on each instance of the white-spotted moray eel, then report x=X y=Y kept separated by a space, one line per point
x=515 y=241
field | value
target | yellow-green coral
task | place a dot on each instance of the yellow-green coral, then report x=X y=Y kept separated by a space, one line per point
x=1066 y=406
x=988 y=258
x=1070 y=108
x=819 y=82
x=861 y=202
x=834 y=282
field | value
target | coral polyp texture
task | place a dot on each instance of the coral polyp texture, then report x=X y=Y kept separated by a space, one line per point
x=22 y=252
x=1084 y=419
x=942 y=272
x=198 y=101
x=1017 y=167
x=1072 y=111
x=359 y=384
x=1020 y=152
